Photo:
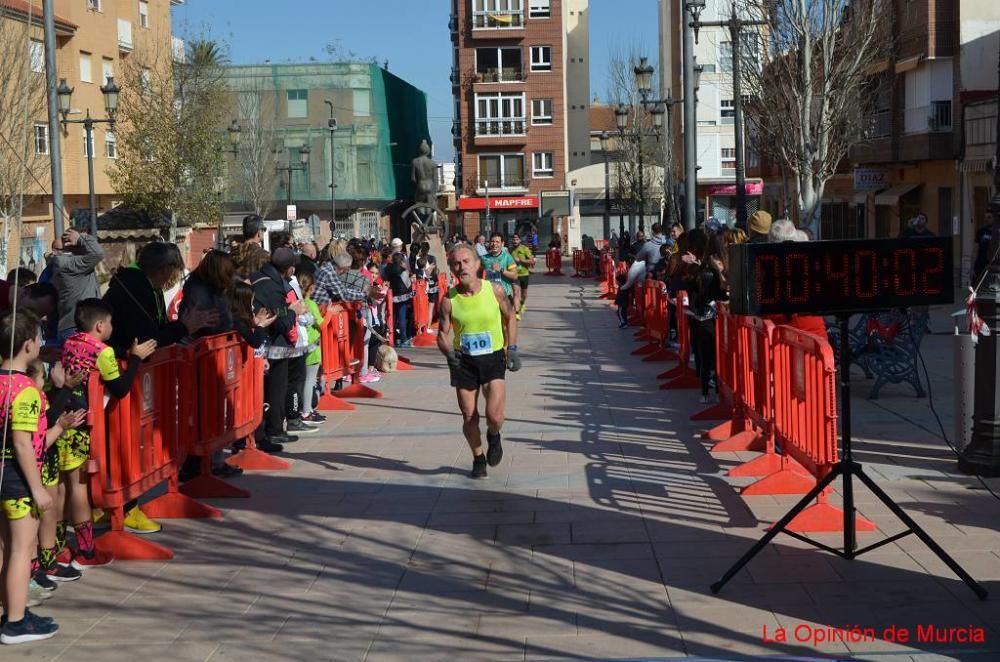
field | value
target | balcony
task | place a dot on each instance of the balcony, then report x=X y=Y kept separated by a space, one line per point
x=455 y=76
x=490 y=130
x=452 y=23
x=880 y=124
x=497 y=24
x=125 y=44
x=931 y=118
x=504 y=75
x=178 y=49
x=934 y=146
x=513 y=183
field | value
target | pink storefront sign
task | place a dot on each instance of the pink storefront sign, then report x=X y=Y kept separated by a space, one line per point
x=756 y=188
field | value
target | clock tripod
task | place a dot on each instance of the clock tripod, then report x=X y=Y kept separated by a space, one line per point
x=849 y=469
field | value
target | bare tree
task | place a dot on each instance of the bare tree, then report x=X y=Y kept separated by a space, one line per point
x=812 y=85
x=255 y=174
x=170 y=137
x=23 y=172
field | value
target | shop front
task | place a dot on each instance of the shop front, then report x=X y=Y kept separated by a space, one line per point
x=507 y=214
x=720 y=199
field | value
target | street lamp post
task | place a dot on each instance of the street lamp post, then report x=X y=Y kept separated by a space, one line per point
x=486 y=228
x=735 y=26
x=233 y=131
x=110 y=92
x=332 y=125
x=605 y=142
x=691 y=13
x=656 y=108
x=293 y=167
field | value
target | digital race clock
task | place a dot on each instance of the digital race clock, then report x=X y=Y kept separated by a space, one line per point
x=826 y=277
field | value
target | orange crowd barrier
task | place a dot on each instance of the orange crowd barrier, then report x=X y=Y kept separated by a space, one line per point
x=403 y=364
x=135 y=445
x=422 y=315
x=553 y=262
x=252 y=458
x=636 y=305
x=607 y=272
x=681 y=376
x=728 y=363
x=647 y=312
x=341 y=357
x=583 y=264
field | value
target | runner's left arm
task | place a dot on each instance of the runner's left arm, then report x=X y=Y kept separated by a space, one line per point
x=445 y=337
x=507 y=312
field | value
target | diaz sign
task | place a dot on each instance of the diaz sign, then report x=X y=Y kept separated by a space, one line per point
x=513 y=202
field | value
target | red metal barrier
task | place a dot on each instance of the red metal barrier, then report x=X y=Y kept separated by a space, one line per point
x=553 y=262
x=335 y=361
x=681 y=376
x=658 y=323
x=422 y=315
x=252 y=458
x=727 y=367
x=402 y=364
x=644 y=298
x=356 y=348
x=608 y=274
x=222 y=414
x=805 y=419
x=583 y=264
x=637 y=300
x=134 y=446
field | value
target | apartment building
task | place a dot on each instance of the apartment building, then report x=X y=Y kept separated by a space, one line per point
x=93 y=38
x=520 y=79
x=716 y=114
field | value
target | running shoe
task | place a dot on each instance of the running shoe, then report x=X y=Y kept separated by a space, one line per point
x=63 y=572
x=93 y=558
x=478 y=467
x=299 y=427
x=30 y=628
x=137 y=522
x=42 y=580
x=518 y=316
x=369 y=378
x=494 y=450
x=270 y=447
x=314 y=417
x=36 y=593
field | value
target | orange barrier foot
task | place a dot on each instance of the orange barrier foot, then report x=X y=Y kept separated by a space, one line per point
x=425 y=340
x=825 y=518
x=747 y=440
x=720 y=432
x=174 y=505
x=403 y=363
x=330 y=402
x=641 y=335
x=645 y=349
x=717 y=412
x=674 y=372
x=254 y=459
x=765 y=465
x=124 y=546
x=210 y=487
x=358 y=391
x=787 y=480
x=687 y=380
x=659 y=356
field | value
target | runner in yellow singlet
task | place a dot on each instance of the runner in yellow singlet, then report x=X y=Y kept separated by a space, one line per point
x=478 y=335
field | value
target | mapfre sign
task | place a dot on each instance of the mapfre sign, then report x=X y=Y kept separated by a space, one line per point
x=518 y=202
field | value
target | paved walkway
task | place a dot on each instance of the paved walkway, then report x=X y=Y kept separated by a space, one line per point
x=597 y=537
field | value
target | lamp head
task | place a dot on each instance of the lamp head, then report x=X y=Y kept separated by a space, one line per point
x=65 y=93
x=657 y=113
x=621 y=117
x=304 y=154
x=696 y=7
x=604 y=141
x=643 y=77
x=110 y=90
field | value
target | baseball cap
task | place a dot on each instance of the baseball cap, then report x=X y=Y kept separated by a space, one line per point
x=282 y=258
x=396 y=242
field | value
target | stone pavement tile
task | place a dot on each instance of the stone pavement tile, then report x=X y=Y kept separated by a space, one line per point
x=459 y=646
x=333 y=649
x=773 y=597
x=685 y=531
x=730 y=547
x=698 y=572
x=792 y=569
x=484 y=517
x=492 y=600
x=609 y=530
x=615 y=551
x=369 y=573
x=722 y=641
x=127 y=652
x=445 y=577
x=665 y=643
x=549 y=624
x=907 y=589
x=148 y=628
x=534 y=534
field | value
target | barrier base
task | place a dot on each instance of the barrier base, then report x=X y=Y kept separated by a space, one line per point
x=675 y=372
x=174 y=505
x=686 y=380
x=254 y=459
x=765 y=465
x=403 y=364
x=640 y=335
x=740 y=442
x=825 y=518
x=356 y=390
x=790 y=479
x=125 y=546
x=210 y=487
x=554 y=273
x=330 y=402
x=720 y=432
x=717 y=412
x=645 y=349
x=660 y=355
x=425 y=340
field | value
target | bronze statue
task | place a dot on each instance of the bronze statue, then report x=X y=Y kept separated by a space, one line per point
x=426 y=220
x=425 y=177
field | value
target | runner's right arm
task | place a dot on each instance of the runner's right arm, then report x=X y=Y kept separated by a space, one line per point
x=445 y=337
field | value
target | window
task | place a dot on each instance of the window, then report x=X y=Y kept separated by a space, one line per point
x=727 y=111
x=499 y=65
x=88 y=145
x=298 y=104
x=541 y=111
x=94 y=5
x=85 y=75
x=499 y=171
x=541 y=165
x=41 y=138
x=362 y=103
x=500 y=114
x=143 y=14
x=497 y=14
x=110 y=144
x=107 y=70
x=541 y=58
x=748 y=57
x=727 y=159
x=539 y=8
x=37 y=56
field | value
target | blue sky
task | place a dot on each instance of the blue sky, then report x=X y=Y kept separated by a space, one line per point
x=411 y=34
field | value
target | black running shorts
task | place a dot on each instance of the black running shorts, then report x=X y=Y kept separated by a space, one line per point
x=474 y=371
x=523 y=281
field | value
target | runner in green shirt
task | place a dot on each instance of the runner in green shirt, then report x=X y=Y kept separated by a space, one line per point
x=525 y=259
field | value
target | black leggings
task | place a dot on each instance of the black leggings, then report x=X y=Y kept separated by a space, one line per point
x=706 y=354
x=275 y=393
x=296 y=379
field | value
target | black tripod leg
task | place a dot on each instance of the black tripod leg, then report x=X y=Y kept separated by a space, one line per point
x=920 y=533
x=776 y=528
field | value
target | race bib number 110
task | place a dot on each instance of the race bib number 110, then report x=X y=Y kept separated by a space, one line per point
x=477 y=344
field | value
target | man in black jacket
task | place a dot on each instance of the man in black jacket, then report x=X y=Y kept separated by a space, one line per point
x=139 y=312
x=271 y=289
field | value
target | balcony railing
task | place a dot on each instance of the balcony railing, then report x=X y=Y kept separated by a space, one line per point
x=504 y=75
x=124 y=35
x=928 y=119
x=453 y=23
x=509 y=126
x=507 y=182
x=881 y=124
x=455 y=76
x=498 y=20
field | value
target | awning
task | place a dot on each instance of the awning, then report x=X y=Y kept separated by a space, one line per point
x=890 y=197
x=910 y=63
x=975 y=165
